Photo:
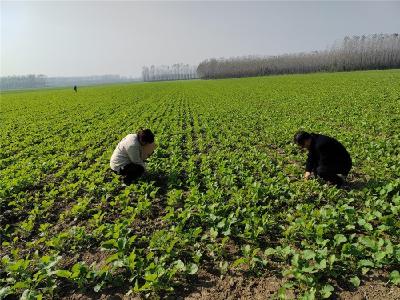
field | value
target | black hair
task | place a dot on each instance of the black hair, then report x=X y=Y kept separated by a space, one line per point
x=301 y=136
x=145 y=136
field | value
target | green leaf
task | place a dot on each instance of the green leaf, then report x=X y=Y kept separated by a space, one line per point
x=238 y=261
x=31 y=295
x=331 y=259
x=322 y=264
x=179 y=265
x=122 y=243
x=119 y=263
x=112 y=258
x=110 y=244
x=192 y=269
x=282 y=293
x=308 y=254
x=340 y=238
x=63 y=273
x=45 y=259
x=131 y=260
x=355 y=281
x=269 y=251
x=196 y=232
x=246 y=250
x=150 y=277
x=21 y=285
x=368 y=226
x=364 y=270
x=213 y=233
x=326 y=291
x=365 y=263
x=379 y=256
x=395 y=277
x=97 y=287
x=361 y=222
x=309 y=295
x=221 y=223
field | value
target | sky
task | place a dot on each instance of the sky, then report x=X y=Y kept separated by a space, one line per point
x=80 y=38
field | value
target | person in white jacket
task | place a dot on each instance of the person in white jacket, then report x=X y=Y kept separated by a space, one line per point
x=128 y=158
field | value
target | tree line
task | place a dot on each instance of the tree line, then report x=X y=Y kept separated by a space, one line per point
x=174 y=72
x=367 y=52
x=376 y=51
x=22 y=82
x=42 y=81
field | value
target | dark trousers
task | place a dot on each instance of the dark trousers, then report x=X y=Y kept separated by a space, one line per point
x=130 y=173
x=329 y=173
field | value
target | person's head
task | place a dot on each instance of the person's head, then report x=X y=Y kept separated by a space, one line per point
x=145 y=136
x=303 y=139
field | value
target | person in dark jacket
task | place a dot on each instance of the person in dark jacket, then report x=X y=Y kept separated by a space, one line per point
x=326 y=157
x=75 y=88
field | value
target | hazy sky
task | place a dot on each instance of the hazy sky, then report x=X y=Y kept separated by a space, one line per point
x=97 y=37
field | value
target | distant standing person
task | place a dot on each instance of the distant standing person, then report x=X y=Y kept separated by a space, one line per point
x=326 y=157
x=75 y=88
x=128 y=158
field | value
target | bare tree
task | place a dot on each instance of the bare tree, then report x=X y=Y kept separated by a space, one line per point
x=174 y=72
x=377 y=51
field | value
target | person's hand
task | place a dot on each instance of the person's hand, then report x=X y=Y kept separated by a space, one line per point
x=307 y=175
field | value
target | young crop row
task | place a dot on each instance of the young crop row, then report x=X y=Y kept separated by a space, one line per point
x=223 y=189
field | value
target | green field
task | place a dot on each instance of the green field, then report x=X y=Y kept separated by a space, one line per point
x=224 y=192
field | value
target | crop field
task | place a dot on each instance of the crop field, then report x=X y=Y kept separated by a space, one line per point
x=223 y=200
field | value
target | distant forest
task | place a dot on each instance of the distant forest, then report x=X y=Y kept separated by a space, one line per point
x=42 y=81
x=376 y=51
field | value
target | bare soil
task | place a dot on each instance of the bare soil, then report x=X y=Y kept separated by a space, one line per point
x=209 y=286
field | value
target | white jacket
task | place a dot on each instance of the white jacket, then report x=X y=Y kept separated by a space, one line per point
x=128 y=150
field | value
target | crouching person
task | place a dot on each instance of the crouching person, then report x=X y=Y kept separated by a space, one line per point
x=326 y=157
x=128 y=158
